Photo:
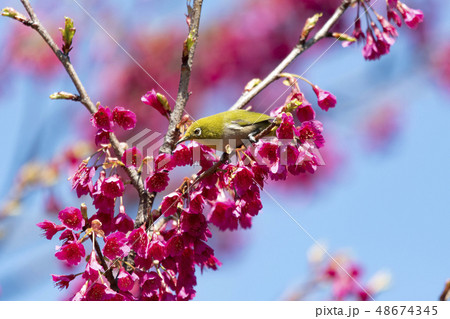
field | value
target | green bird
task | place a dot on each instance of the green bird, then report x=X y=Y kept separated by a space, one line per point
x=227 y=128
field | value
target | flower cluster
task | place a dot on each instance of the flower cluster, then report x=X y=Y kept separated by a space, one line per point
x=72 y=250
x=380 y=33
x=104 y=120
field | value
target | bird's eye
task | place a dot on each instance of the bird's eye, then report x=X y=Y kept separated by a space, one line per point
x=198 y=131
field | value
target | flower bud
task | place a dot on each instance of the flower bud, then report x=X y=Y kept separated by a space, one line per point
x=251 y=84
x=158 y=102
x=12 y=13
x=64 y=96
x=309 y=25
x=343 y=37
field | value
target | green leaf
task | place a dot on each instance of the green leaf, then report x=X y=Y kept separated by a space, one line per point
x=67 y=35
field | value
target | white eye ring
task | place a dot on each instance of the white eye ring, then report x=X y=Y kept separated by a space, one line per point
x=198 y=131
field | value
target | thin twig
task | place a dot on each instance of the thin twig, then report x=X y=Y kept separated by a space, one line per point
x=296 y=51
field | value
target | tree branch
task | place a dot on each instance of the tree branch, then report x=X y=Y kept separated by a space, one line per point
x=444 y=294
x=65 y=60
x=299 y=48
x=183 y=92
x=136 y=181
x=183 y=87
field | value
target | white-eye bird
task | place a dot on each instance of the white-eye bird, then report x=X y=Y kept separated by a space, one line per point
x=227 y=128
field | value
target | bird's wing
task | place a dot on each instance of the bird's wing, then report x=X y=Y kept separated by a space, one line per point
x=250 y=121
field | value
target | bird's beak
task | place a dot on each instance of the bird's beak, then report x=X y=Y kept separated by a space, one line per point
x=183 y=139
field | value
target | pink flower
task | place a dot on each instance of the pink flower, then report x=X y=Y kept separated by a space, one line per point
x=268 y=151
x=242 y=179
x=412 y=17
x=260 y=173
x=224 y=216
x=115 y=246
x=138 y=241
x=62 y=281
x=72 y=253
x=82 y=179
x=362 y=294
x=125 y=281
x=305 y=113
x=370 y=50
x=383 y=41
x=156 y=250
x=132 y=157
x=112 y=187
x=157 y=182
x=103 y=204
x=250 y=202
x=277 y=111
x=49 y=228
x=150 y=282
x=387 y=27
x=245 y=221
x=202 y=253
x=164 y=162
x=392 y=3
x=71 y=218
x=186 y=279
x=357 y=31
x=202 y=154
x=102 y=137
x=92 y=268
x=325 y=99
x=393 y=16
x=69 y=235
x=102 y=119
x=175 y=246
x=278 y=172
x=287 y=129
x=158 y=102
x=100 y=292
x=182 y=155
x=195 y=225
x=306 y=162
x=210 y=192
x=103 y=222
x=123 y=222
x=357 y=34
x=312 y=131
x=169 y=204
x=196 y=203
x=288 y=154
x=124 y=118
